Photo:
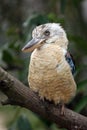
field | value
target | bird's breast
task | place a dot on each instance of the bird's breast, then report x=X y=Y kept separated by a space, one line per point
x=50 y=75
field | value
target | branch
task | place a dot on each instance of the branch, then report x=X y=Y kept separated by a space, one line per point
x=19 y=94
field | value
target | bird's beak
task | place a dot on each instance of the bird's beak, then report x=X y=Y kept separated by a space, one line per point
x=31 y=45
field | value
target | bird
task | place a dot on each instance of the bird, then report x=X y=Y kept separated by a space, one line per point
x=51 y=66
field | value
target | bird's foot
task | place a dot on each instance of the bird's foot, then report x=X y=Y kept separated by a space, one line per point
x=62 y=109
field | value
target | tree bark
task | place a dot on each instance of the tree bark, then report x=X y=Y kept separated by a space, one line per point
x=19 y=94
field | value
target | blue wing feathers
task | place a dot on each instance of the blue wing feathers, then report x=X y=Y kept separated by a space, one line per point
x=70 y=61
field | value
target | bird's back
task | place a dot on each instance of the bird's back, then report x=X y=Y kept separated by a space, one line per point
x=50 y=74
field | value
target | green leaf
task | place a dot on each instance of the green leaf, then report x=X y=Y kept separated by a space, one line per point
x=81 y=104
x=82 y=85
x=7 y=56
x=53 y=18
x=81 y=68
x=21 y=124
x=36 y=20
x=63 y=5
x=81 y=43
x=76 y=2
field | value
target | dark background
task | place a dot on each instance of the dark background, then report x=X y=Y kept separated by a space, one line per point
x=17 y=19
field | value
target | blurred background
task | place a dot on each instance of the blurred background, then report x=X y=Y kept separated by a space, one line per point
x=17 y=19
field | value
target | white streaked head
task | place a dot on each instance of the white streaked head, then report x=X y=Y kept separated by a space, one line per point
x=47 y=34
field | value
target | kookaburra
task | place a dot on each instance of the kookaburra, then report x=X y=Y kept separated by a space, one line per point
x=51 y=67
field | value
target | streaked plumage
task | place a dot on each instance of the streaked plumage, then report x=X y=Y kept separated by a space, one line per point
x=50 y=68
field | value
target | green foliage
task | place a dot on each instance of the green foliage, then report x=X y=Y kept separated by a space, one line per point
x=82 y=103
x=36 y=20
x=82 y=96
x=76 y=2
x=21 y=124
x=80 y=43
x=63 y=5
x=82 y=86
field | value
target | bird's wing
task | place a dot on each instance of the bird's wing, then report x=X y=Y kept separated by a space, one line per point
x=70 y=61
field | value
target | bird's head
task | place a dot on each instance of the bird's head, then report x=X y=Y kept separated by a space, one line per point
x=50 y=33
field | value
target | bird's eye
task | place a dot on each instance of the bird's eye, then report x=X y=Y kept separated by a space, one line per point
x=46 y=33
